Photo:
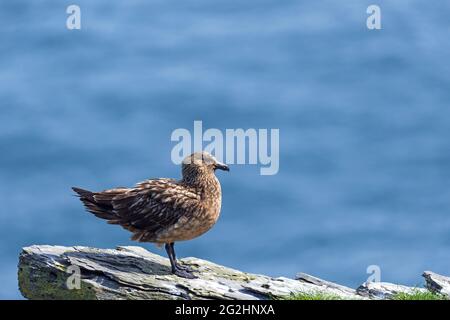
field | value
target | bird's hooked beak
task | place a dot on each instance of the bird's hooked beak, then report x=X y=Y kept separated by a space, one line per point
x=221 y=166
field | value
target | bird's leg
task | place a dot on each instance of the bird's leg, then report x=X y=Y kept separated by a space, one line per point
x=184 y=268
x=176 y=270
x=173 y=262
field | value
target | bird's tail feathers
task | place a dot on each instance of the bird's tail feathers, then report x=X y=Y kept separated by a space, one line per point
x=100 y=208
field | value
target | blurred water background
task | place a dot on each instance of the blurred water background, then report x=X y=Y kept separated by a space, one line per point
x=364 y=123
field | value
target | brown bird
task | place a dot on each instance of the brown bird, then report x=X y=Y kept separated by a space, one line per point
x=164 y=211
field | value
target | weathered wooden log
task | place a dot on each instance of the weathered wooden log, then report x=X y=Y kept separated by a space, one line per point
x=55 y=272
x=437 y=283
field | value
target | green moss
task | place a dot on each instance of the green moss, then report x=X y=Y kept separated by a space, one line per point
x=50 y=284
x=419 y=295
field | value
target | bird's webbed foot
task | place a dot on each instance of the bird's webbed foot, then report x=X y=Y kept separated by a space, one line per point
x=185 y=268
x=184 y=272
x=181 y=271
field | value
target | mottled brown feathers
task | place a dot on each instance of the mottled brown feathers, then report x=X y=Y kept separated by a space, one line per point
x=163 y=210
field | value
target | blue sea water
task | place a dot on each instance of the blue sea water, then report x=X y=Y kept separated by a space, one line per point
x=364 y=121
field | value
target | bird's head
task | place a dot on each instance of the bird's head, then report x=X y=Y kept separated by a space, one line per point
x=200 y=163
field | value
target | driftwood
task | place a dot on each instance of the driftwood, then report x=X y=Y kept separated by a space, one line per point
x=56 y=272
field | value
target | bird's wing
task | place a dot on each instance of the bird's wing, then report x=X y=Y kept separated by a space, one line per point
x=150 y=207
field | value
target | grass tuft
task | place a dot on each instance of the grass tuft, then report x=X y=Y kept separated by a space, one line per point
x=313 y=296
x=416 y=294
x=419 y=295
